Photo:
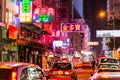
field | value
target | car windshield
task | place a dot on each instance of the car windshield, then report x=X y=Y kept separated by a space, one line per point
x=108 y=60
x=62 y=65
x=108 y=70
x=4 y=73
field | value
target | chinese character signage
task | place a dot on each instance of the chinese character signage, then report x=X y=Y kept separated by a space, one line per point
x=57 y=33
x=70 y=27
x=43 y=15
x=26 y=11
x=26 y=5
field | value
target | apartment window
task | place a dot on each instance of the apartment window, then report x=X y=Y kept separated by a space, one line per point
x=111 y=6
x=111 y=1
x=115 y=4
x=111 y=13
x=9 y=16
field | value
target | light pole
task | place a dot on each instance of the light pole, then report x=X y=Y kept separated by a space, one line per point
x=113 y=18
x=113 y=29
x=102 y=15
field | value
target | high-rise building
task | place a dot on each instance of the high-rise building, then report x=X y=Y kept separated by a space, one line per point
x=113 y=9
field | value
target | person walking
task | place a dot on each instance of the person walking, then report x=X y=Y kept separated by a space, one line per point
x=93 y=63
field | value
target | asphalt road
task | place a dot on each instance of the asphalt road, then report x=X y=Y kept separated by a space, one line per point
x=83 y=74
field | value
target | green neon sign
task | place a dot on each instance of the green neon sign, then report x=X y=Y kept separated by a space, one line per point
x=12 y=0
x=26 y=5
x=26 y=1
x=44 y=18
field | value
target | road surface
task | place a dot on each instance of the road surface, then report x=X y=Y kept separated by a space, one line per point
x=83 y=74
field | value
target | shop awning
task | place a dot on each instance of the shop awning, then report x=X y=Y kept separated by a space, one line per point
x=32 y=27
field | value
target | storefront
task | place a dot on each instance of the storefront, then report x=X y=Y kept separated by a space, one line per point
x=2 y=40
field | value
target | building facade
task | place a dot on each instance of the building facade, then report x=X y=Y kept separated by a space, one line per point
x=113 y=9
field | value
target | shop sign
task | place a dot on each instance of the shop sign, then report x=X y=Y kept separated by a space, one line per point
x=14 y=43
x=58 y=33
x=70 y=27
x=4 y=52
x=7 y=46
x=26 y=5
x=26 y=11
x=14 y=48
x=21 y=42
x=46 y=14
x=13 y=32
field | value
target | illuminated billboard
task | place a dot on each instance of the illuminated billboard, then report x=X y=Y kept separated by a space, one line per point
x=43 y=15
x=13 y=32
x=26 y=11
x=70 y=27
x=108 y=33
x=93 y=43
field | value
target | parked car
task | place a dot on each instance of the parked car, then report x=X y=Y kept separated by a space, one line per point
x=62 y=71
x=21 y=71
x=106 y=74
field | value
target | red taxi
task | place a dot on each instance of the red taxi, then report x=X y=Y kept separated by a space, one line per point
x=86 y=65
x=62 y=71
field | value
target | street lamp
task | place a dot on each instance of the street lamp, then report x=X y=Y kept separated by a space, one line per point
x=114 y=29
x=113 y=20
x=102 y=15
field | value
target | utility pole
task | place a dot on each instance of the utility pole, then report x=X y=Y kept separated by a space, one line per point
x=113 y=36
x=113 y=29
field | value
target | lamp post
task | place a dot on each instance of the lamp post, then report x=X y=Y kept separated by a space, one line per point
x=102 y=15
x=113 y=18
x=113 y=29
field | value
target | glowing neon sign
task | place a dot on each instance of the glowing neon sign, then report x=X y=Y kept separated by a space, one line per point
x=43 y=15
x=70 y=27
x=26 y=5
x=26 y=11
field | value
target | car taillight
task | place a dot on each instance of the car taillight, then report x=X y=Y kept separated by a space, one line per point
x=14 y=74
x=52 y=72
x=68 y=73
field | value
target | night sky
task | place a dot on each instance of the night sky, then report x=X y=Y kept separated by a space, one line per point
x=91 y=9
x=97 y=23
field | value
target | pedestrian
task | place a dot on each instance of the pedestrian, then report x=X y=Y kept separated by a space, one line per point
x=93 y=63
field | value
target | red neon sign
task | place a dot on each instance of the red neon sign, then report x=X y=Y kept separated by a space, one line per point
x=13 y=32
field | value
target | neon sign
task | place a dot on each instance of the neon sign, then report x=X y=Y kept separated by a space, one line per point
x=26 y=11
x=70 y=27
x=44 y=15
x=13 y=32
x=26 y=5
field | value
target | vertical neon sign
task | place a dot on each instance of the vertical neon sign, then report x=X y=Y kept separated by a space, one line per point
x=26 y=11
x=26 y=5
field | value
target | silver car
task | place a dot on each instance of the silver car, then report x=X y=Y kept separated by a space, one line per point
x=21 y=71
x=106 y=74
